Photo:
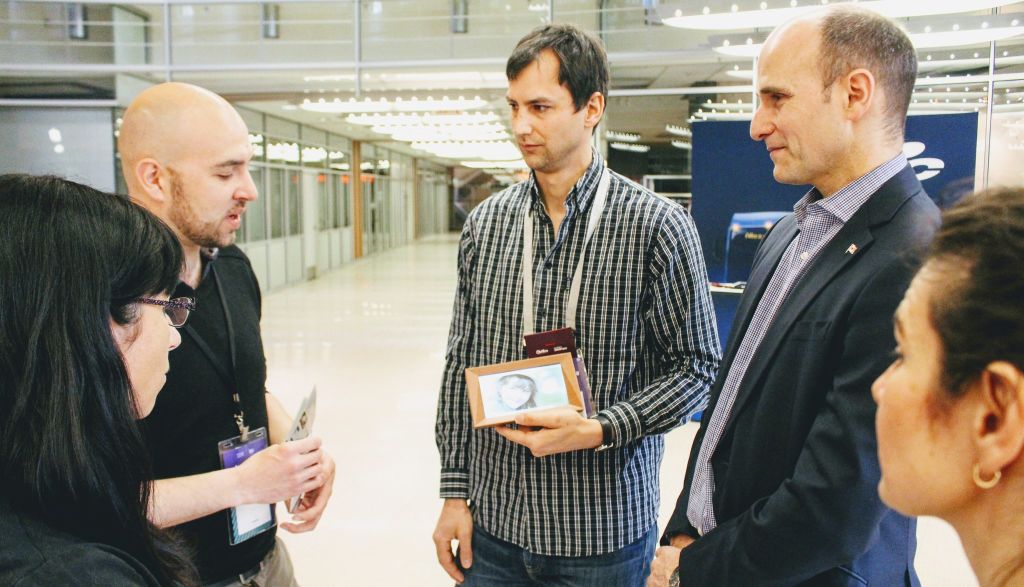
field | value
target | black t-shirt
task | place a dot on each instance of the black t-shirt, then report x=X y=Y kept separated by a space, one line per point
x=194 y=411
x=34 y=553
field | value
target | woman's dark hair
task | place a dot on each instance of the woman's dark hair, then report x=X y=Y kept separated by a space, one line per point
x=71 y=260
x=979 y=310
x=583 y=63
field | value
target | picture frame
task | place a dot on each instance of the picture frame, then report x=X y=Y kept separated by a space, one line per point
x=497 y=393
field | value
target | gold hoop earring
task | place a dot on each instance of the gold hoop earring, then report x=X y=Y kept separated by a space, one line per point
x=985 y=483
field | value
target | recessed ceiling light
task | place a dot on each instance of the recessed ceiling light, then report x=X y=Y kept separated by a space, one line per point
x=748 y=19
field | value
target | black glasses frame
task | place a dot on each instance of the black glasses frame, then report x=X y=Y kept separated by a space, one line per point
x=173 y=308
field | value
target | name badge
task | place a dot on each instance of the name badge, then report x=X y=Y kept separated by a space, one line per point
x=246 y=521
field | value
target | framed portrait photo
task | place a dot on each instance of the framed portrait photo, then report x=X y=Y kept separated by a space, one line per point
x=498 y=392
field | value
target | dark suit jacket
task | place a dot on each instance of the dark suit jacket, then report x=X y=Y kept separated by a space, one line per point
x=796 y=470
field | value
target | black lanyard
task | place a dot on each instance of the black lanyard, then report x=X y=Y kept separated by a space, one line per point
x=230 y=376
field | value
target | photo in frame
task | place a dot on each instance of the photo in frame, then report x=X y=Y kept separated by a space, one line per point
x=497 y=393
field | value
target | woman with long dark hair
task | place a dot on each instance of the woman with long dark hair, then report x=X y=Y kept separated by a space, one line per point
x=950 y=416
x=85 y=328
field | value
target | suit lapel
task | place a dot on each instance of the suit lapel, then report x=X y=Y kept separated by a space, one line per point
x=845 y=249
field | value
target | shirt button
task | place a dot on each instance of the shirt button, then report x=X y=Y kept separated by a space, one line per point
x=541 y=312
x=804 y=255
x=547 y=264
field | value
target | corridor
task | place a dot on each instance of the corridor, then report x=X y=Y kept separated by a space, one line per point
x=371 y=337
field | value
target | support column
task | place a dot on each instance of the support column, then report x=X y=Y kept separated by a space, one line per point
x=357 y=199
x=417 y=202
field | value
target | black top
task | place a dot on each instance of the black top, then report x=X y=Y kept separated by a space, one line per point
x=34 y=553
x=194 y=411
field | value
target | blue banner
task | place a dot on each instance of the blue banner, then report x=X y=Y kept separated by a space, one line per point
x=733 y=174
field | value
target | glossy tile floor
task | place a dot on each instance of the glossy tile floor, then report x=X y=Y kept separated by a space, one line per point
x=371 y=338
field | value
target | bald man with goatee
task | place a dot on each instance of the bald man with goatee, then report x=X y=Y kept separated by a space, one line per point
x=217 y=437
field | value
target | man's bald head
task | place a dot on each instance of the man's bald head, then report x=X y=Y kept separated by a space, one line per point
x=172 y=122
x=185 y=154
x=850 y=37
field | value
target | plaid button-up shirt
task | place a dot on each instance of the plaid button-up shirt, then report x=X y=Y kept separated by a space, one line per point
x=646 y=328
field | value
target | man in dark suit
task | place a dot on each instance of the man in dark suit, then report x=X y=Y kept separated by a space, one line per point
x=781 y=483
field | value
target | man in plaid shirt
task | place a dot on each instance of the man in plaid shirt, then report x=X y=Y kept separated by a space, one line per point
x=535 y=503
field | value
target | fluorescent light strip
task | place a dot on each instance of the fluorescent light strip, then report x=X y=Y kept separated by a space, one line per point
x=727 y=106
x=614 y=135
x=351 y=106
x=437 y=133
x=921 y=41
x=634 y=148
x=767 y=18
x=518 y=164
x=969 y=63
x=679 y=131
x=721 y=116
x=489 y=150
x=682 y=145
x=416 y=119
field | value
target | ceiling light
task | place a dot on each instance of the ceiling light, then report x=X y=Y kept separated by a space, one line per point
x=960 y=38
x=490 y=150
x=313 y=154
x=679 y=131
x=283 y=152
x=741 y=73
x=413 y=119
x=682 y=145
x=337 y=106
x=421 y=134
x=614 y=135
x=753 y=19
x=518 y=164
x=634 y=148
x=343 y=77
x=920 y=40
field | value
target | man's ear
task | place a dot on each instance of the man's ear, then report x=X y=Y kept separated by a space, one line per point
x=860 y=92
x=154 y=179
x=999 y=422
x=595 y=109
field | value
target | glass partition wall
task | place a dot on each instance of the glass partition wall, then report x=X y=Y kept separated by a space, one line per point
x=305 y=60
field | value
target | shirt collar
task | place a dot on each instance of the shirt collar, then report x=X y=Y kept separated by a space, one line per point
x=207 y=255
x=581 y=194
x=844 y=203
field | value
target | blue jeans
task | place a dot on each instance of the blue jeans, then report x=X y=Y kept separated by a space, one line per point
x=496 y=562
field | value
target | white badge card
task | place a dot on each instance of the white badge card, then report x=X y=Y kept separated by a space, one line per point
x=246 y=521
x=301 y=428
